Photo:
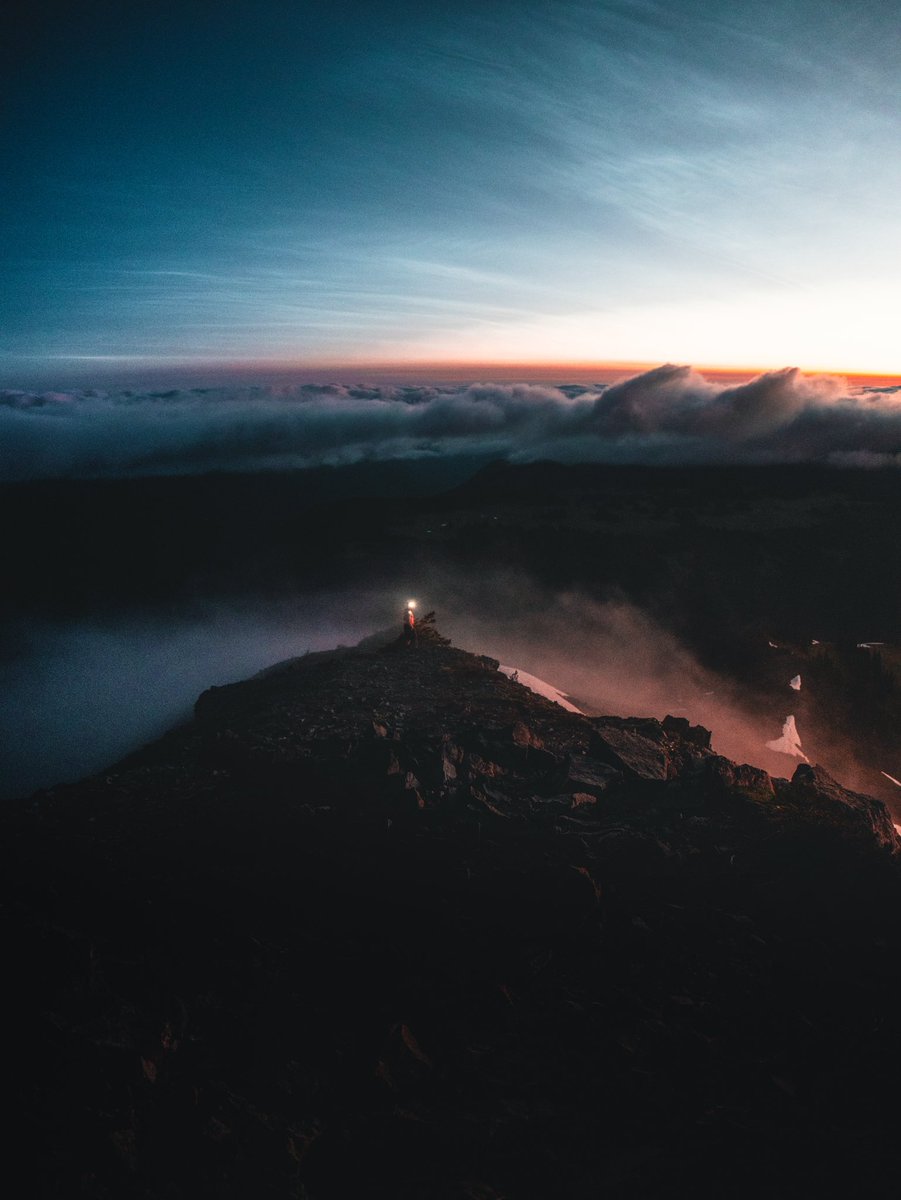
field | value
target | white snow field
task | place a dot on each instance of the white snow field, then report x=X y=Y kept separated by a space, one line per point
x=540 y=687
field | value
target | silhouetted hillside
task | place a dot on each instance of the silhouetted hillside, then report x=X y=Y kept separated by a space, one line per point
x=383 y=922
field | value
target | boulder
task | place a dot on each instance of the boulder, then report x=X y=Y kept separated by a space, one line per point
x=815 y=787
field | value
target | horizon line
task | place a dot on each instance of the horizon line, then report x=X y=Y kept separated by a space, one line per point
x=438 y=370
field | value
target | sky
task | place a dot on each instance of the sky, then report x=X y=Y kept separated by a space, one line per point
x=364 y=182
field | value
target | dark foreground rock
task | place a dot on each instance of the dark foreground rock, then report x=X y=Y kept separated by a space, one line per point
x=386 y=924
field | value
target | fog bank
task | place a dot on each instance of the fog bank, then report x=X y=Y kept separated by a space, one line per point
x=77 y=696
x=669 y=415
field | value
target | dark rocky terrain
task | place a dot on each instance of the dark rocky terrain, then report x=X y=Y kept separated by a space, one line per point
x=382 y=922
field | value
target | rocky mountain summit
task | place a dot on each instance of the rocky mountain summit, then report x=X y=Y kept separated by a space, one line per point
x=383 y=922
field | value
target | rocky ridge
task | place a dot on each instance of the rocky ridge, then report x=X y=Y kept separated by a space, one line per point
x=382 y=921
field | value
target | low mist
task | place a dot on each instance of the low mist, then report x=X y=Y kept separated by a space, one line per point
x=75 y=697
x=612 y=659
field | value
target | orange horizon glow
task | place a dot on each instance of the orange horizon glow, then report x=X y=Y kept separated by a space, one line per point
x=437 y=372
x=538 y=372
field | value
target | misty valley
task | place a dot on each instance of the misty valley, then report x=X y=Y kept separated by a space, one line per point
x=699 y=592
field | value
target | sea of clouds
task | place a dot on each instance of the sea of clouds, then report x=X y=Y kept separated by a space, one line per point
x=671 y=414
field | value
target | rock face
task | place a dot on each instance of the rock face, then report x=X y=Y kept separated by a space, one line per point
x=383 y=922
x=813 y=786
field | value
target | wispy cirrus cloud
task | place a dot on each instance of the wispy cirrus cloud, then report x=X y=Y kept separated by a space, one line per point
x=622 y=180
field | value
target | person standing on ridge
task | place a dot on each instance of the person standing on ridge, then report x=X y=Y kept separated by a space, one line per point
x=411 y=637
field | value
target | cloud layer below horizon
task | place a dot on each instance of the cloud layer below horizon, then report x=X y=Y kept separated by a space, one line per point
x=669 y=415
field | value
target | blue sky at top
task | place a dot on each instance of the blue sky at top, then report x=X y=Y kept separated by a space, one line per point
x=365 y=182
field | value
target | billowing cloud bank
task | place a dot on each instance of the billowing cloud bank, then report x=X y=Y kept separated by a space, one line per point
x=667 y=415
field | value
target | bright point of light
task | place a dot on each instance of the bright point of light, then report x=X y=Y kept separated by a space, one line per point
x=411 y=604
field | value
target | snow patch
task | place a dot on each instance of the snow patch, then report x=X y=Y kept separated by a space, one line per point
x=540 y=687
x=795 y=683
x=790 y=742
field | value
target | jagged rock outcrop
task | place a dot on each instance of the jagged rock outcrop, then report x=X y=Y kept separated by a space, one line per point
x=383 y=922
x=832 y=802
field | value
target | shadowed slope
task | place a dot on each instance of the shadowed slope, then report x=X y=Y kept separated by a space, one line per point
x=382 y=921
